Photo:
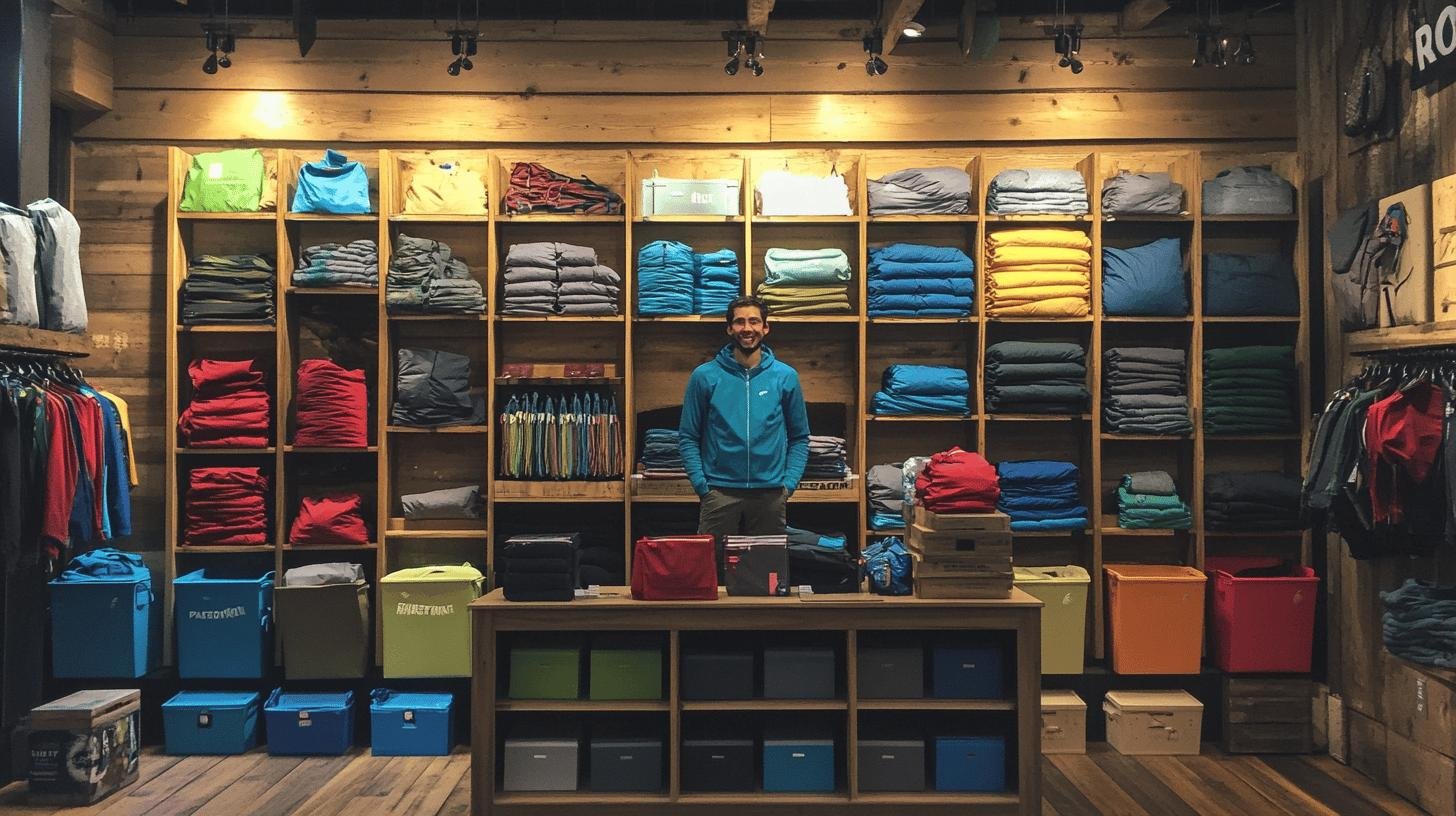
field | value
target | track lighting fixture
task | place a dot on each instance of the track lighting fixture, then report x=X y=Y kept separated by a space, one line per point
x=874 y=45
x=913 y=30
x=463 y=42
x=1244 y=55
x=220 y=42
x=735 y=50
x=754 y=49
x=1067 y=39
x=1213 y=45
x=745 y=49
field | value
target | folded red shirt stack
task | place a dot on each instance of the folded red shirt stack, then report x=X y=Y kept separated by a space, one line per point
x=331 y=406
x=229 y=406
x=329 y=520
x=225 y=507
x=957 y=481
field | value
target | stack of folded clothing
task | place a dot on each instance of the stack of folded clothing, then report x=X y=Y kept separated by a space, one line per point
x=1145 y=391
x=1248 y=390
x=1141 y=194
x=432 y=389
x=1039 y=273
x=718 y=281
x=353 y=264
x=1041 y=495
x=547 y=277
x=424 y=276
x=957 y=481
x=922 y=389
x=780 y=192
x=1145 y=280
x=885 y=485
x=661 y=458
x=1238 y=285
x=913 y=280
x=541 y=567
x=1037 y=190
x=826 y=459
x=1419 y=623
x=1036 y=378
x=331 y=406
x=225 y=507
x=1249 y=190
x=806 y=281
x=666 y=276
x=1246 y=502
x=326 y=520
x=921 y=191
x=228 y=289
x=463 y=502
x=1148 y=500
x=229 y=406
x=536 y=188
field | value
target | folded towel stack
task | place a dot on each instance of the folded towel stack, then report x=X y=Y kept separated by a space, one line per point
x=1041 y=495
x=425 y=276
x=1240 y=285
x=1148 y=500
x=1037 y=190
x=886 y=489
x=1248 y=390
x=921 y=191
x=922 y=389
x=547 y=277
x=353 y=264
x=1141 y=194
x=1245 y=502
x=1039 y=273
x=827 y=459
x=1145 y=391
x=661 y=458
x=1036 y=378
x=806 y=281
x=1145 y=280
x=913 y=280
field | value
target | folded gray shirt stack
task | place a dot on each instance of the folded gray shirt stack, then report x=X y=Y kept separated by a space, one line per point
x=921 y=191
x=547 y=277
x=1145 y=391
x=353 y=264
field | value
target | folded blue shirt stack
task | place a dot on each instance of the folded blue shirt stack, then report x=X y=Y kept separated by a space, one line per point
x=666 y=273
x=1041 y=495
x=921 y=389
x=1242 y=285
x=1145 y=280
x=914 y=280
x=718 y=281
x=1037 y=190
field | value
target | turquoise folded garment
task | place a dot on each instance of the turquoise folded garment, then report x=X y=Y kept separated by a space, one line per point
x=806 y=266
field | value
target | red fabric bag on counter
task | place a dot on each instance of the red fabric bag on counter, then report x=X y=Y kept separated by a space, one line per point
x=675 y=568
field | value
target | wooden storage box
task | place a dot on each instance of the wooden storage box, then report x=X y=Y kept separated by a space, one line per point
x=965 y=545
x=973 y=588
x=960 y=522
x=1267 y=716
x=1153 y=723
x=85 y=746
x=1420 y=704
x=1421 y=775
x=1063 y=723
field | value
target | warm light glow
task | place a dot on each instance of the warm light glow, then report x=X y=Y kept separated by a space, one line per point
x=271 y=110
x=912 y=30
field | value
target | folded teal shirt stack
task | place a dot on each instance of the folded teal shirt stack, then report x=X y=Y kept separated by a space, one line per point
x=914 y=280
x=1148 y=500
x=1248 y=390
x=672 y=279
x=921 y=389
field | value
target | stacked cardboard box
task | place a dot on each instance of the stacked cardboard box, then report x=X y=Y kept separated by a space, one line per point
x=961 y=555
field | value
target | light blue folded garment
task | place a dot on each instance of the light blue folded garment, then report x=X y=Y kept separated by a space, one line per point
x=887 y=404
x=332 y=185
x=1049 y=525
x=805 y=267
x=925 y=380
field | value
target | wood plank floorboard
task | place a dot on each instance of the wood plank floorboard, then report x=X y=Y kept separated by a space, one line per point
x=1100 y=782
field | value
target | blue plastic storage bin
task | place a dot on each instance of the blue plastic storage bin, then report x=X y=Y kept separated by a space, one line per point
x=975 y=764
x=968 y=673
x=224 y=625
x=309 y=723
x=793 y=765
x=408 y=723
x=101 y=608
x=211 y=722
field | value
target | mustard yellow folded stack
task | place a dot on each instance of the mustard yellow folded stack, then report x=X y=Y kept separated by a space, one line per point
x=1038 y=273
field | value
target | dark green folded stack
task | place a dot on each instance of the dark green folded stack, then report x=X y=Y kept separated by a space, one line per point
x=1248 y=390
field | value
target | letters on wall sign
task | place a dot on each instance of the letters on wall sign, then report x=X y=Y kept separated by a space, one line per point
x=1433 y=45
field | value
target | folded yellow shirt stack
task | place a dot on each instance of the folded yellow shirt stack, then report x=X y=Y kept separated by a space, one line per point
x=1038 y=273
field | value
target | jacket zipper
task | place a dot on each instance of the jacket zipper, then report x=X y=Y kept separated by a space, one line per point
x=747 y=426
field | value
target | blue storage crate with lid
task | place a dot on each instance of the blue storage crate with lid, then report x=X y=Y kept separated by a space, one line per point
x=101 y=611
x=224 y=624
x=974 y=764
x=211 y=722
x=798 y=764
x=309 y=723
x=409 y=723
x=972 y=672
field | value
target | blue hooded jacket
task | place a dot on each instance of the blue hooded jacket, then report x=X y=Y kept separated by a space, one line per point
x=744 y=428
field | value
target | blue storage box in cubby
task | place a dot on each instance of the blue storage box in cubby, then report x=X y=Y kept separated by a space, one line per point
x=794 y=764
x=309 y=723
x=408 y=723
x=968 y=672
x=101 y=610
x=211 y=722
x=224 y=625
x=975 y=764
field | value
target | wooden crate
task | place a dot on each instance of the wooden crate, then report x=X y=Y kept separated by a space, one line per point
x=1421 y=775
x=960 y=522
x=1267 y=716
x=85 y=746
x=967 y=544
x=945 y=588
x=933 y=567
x=1420 y=704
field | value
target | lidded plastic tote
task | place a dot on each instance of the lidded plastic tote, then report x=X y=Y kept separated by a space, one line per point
x=426 y=622
x=101 y=610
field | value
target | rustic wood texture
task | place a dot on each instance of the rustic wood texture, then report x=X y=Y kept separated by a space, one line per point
x=81 y=63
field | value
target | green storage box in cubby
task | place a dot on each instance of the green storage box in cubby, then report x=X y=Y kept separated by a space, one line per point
x=626 y=673
x=426 y=625
x=545 y=673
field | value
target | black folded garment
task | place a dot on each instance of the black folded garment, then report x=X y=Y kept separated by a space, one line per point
x=538 y=566
x=1244 y=502
x=521 y=547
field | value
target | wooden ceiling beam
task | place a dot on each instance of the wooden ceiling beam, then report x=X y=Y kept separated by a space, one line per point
x=894 y=18
x=758 y=12
x=1139 y=14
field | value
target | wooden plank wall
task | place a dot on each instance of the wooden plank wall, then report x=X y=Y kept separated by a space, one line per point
x=574 y=82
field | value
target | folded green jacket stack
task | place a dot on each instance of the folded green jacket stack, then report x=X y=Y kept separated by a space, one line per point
x=806 y=281
x=1248 y=390
x=1148 y=500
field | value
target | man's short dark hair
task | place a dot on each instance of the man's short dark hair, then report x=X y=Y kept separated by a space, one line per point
x=743 y=301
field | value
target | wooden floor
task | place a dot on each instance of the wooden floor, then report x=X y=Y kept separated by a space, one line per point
x=1103 y=782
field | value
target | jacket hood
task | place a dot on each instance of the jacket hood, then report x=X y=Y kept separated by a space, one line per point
x=730 y=363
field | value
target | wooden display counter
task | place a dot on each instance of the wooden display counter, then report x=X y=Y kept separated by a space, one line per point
x=844 y=620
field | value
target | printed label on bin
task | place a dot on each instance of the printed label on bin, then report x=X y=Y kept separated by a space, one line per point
x=798 y=755
x=204 y=720
x=409 y=716
x=217 y=614
x=424 y=610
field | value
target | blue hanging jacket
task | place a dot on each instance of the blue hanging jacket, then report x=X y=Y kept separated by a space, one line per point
x=334 y=185
x=887 y=563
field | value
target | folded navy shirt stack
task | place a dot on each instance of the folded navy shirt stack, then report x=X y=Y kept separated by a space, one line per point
x=1145 y=280
x=1243 y=285
x=1041 y=495
x=540 y=567
x=1145 y=391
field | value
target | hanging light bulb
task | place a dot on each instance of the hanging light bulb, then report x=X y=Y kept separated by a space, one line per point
x=874 y=45
x=735 y=49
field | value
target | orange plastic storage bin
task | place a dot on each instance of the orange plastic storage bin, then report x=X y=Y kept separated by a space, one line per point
x=1155 y=618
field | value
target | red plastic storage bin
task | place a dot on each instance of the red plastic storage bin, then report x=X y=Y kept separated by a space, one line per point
x=1261 y=624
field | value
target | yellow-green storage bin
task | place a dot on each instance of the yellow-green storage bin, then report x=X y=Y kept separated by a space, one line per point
x=426 y=622
x=1064 y=618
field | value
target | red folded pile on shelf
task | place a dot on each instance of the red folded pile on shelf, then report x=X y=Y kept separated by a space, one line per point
x=331 y=406
x=957 y=481
x=229 y=406
x=329 y=520
x=226 y=507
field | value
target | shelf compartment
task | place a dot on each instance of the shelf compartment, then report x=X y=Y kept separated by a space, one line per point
x=929 y=704
x=584 y=797
x=567 y=706
x=559 y=380
x=226 y=549
x=438 y=534
x=581 y=491
x=261 y=215
x=306 y=449
x=765 y=705
x=689 y=219
x=921 y=418
x=225 y=451
x=333 y=291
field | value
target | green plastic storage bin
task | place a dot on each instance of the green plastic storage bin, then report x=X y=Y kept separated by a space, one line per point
x=1064 y=618
x=626 y=673
x=545 y=673
x=426 y=622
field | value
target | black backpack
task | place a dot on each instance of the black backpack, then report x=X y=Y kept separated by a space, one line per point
x=1365 y=95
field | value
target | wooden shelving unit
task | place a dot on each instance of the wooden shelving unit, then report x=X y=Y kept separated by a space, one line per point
x=840 y=358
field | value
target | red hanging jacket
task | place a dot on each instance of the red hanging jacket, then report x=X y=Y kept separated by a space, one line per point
x=1402 y=438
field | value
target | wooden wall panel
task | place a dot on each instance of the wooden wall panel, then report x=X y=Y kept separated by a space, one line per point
x=81 y=63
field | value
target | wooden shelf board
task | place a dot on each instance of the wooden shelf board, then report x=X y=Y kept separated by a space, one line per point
x=679 y=319
x=333 y=291
x=439 y=218
x=929 y=704
x=1289 y=218
x=1186 y=218
x=1114 y=437
x=249 y=329
x=1209 y=439
x=1149 y=319
x=938 y=218
x=1251 y=319
x=1254 y=534
x=42 y=341
x=298 y=449
x=226 y=451
x=560 y=318
x=343 y=218
x=264 y=215
x=688 y=219
x=834 y=318
x=516 y=490
x=446 y=534
x=994 y=319
x=938 y=798
x=1114 y=530
x=1037 y=417
x=440 y=318
x=842 y=496
x=583 y=705
x=924 y=321
x=1045 y=218
x=584 y=797
x=806 y=219
x=762 y=798
x=1049 y=533
x=1423 y=334
x=559 y=380
x=765 y=705
x=372 y=545
x=893 y=531
x=448 y=429
x=921 y=418
x=225 y=550
x=557 y=218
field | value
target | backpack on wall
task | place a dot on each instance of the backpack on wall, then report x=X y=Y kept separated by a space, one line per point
x=1353 y=284
x=1365 y=95
x=1382 y=252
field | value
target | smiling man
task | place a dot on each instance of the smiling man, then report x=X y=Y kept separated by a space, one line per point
x=744 y=433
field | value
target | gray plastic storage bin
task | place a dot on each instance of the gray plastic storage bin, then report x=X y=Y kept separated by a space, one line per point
x=717 y=676
x=891 y=674
x=798 y=673
x=541 y=765
x=626 y=765
x=891 y=765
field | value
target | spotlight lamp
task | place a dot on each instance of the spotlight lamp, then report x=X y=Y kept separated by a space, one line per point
x=735 y=51
x=745 y=50
x=755 y=54
x=874 y=45
x=464 y=45
x=1067 y=41
x=1244 y=55
x=220 y=42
